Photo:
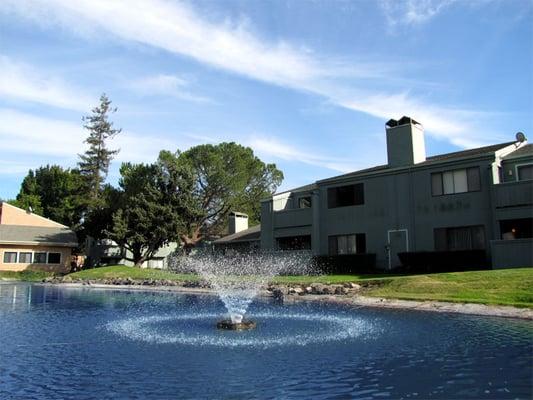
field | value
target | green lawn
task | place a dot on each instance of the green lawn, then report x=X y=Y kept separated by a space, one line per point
x=505 y=287
x=123 y=272
x=513 y=287
x=27 y=276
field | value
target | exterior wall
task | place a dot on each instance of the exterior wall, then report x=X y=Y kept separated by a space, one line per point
x=403 y=201
x=11 y=215
x=509 y=172
x=512 y=253
x=66 y=253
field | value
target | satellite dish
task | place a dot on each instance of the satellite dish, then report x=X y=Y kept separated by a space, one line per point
x=520 y=137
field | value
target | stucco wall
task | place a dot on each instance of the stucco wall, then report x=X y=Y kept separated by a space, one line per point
x=63 y=267
x=10 y=215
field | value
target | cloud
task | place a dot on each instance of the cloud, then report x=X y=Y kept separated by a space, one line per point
x=268 y=147
x=23 y=133
x=412 y=12
x=229 y=46
x=166 y=85
x=19 y=81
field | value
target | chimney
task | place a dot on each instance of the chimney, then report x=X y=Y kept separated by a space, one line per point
x=405 y=142
x=237 y=222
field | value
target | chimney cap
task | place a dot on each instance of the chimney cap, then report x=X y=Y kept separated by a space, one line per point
x=391 y=123
x=407 y=120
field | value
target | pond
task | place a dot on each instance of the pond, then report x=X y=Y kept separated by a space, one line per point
x=80 y=343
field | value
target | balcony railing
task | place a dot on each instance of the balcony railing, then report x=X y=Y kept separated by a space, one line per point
x=513 y=194
x=293 y=217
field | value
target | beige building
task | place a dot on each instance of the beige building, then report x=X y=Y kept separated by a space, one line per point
x=29 y=241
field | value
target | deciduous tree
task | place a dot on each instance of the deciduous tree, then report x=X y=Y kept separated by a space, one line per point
x=226 y=177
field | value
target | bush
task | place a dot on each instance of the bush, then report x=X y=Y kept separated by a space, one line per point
x=443 y=261
x=347 y=264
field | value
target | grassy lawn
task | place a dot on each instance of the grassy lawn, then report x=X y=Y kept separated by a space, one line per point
x=27 y=276
x=504 y=287
x=513 y=287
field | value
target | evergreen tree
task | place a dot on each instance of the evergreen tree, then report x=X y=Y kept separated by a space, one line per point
x=54 y=193
x=94 y=163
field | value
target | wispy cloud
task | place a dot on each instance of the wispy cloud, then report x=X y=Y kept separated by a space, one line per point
x=412 y=12
x=166 y=85
x=20 y=81
x=269 y=147
x=233 y=47
x=23 y=133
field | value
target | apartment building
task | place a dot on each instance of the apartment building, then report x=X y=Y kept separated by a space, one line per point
x=477 y=199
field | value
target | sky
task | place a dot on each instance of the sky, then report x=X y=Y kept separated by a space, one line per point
x=307 y=84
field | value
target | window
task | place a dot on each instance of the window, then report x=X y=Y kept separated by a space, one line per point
x=54 y=258
x=39 y=258
x=456 y=181
x=460 y=238
x=524 y=172
x=25 y=257
x=344 y=196
x=304 y=202
x=294 y=242
x=347 y=244
x=10 y=257
x=520 y=228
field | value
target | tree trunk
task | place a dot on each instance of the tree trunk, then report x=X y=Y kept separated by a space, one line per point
x=189 y=242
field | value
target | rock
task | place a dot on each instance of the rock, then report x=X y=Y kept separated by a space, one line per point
x=308 y=290
x=340 y=290
x=298 y=290
x=66 y=279
x=278 y=294
x=355 y=286
x=327 y=290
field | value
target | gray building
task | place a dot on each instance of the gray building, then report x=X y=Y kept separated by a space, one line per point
x=240 y=238
x=478 y=199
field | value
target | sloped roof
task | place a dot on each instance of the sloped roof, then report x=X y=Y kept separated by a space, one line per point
x=468 y=153
x=248 y=235
x=479 y=151
x=21 y=234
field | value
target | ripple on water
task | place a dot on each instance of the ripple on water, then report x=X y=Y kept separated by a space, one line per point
x=198 y=329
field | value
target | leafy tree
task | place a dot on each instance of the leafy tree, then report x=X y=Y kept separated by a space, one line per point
x=54 y=193
x=226 y=177
x=94 y=163
x=153 y=202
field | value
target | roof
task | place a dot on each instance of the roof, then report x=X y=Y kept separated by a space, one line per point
x=298 y=189
x=21 y=234
x=479 y=151
x=456 y=155
x=248 y=235
x=523 y=151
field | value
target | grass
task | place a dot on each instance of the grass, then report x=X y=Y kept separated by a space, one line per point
x=513 y=287
x=27 y=276
x=123 y=272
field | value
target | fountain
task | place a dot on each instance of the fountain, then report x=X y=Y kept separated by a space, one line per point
x=238 y=278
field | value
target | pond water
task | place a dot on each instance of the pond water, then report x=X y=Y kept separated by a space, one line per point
x=75 y=343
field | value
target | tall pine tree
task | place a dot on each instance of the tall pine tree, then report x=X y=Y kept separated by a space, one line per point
x=94 y=163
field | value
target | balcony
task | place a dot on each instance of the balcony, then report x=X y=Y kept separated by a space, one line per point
x=293 y=217
x=513 y=194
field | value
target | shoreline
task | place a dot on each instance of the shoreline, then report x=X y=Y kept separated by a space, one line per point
x=350 y=299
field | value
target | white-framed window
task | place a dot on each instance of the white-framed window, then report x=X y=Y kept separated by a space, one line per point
x=25 y=257
x=10 y=257
x=524 y=172
x=455 y=181
x=39 y=257
x=54 y=258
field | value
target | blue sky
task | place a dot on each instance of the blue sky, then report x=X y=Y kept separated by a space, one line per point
x=308 y=85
